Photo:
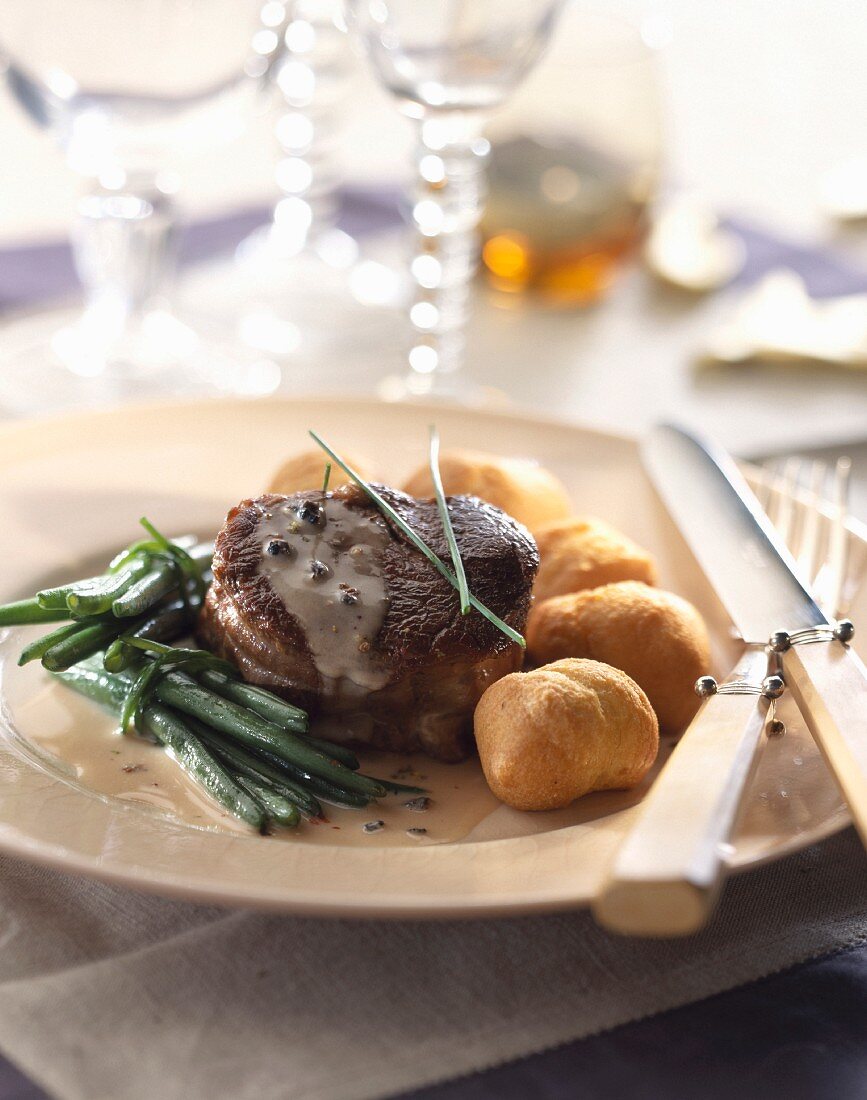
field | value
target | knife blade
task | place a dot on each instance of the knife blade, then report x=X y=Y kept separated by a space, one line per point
x=757 y=580
x=732 y=539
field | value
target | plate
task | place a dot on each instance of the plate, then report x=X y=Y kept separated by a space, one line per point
x=70 y=493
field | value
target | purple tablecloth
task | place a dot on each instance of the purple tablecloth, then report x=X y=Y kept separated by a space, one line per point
x=801 y=1035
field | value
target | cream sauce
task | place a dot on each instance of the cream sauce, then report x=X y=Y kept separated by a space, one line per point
x=78 y=740
x=327 y=575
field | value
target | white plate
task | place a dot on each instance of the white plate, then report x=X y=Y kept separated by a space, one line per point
x=72 y=490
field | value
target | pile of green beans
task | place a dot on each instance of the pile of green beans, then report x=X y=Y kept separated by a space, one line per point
x=142 y=594
x=249 y=749
x=246 y=747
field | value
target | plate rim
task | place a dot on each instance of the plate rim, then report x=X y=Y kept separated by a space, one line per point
x=219 y=891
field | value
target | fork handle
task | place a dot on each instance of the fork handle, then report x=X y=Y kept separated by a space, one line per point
x=829 y=684
x=665 y=877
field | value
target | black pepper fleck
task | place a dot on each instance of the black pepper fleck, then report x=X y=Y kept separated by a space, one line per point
x=348 y=595
x=418 y=805
x=310 y=511
x=416 y=832
x=277 y=547
x=319 y=570
x=372 y=826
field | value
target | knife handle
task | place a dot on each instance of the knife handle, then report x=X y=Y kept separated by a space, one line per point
x=829 y=683
x=666 y=875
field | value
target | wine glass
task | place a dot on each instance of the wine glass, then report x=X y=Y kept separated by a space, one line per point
x=127 y=91
x=449 y=64
x=300 y=270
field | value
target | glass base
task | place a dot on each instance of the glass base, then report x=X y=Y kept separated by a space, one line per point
x=307 y=304
x=69 y=359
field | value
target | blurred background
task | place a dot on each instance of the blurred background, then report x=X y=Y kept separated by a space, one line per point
x=760 y=99
x=675 y=222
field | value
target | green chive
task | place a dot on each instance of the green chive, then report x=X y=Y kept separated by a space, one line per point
x=418 y=541
x=443 y=509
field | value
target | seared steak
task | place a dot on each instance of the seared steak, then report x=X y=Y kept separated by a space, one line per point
x=319 y=598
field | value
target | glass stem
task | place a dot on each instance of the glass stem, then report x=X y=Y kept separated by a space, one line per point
x=312 y=80
x=447 y=211
x=124 y=249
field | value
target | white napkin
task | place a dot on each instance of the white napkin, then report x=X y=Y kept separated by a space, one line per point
x=108 y=993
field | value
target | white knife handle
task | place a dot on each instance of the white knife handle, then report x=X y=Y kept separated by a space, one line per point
x=829 y=684
x=666 y=875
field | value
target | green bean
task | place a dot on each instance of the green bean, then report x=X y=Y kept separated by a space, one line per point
x=164 y=624
x=279 y=810
x=96 y=597
x=96 y=684
x=54 y=599
x=41 y=645
x=335 y=752
x=328 y=790
x=24 y=612
x=186 y=542
x=276 y=710
x=158 y=582
x=255 y=732
x=145 y=592
x=257 y=699
x=171 y=730
x=401 y=788
x=84 y=642
x=259 y=770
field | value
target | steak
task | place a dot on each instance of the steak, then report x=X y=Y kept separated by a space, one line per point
x=320 y=598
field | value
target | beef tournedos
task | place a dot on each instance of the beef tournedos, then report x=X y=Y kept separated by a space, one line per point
x=319 y=598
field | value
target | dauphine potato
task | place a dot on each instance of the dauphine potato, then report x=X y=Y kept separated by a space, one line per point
x=657 y=638
x=585 y=552
x=549 y=736
x=306 y=470
x=522 y=488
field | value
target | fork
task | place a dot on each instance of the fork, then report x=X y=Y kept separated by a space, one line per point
x=666 y=875
x=827 y=496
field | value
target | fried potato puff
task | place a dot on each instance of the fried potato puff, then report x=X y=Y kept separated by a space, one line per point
x=549 y=736
x=657 y=638
x=584 y=552
x=307 y=471
x=522 y=488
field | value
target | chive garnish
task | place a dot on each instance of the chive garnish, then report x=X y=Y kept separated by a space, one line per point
x=443 y=509
x=417 y=541
x=327 y=477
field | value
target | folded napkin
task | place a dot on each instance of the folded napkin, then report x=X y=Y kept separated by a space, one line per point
x=107 y=993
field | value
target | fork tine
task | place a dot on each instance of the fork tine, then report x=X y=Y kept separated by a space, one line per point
x=808 y=544
x=771 y=494
x=779 y=494
x=784 y=513
x=838 y=541
x=764 y=488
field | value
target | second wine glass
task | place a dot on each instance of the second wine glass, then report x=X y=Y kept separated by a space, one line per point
x=449 y=64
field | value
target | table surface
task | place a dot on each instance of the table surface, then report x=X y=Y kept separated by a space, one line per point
x=802 y=1035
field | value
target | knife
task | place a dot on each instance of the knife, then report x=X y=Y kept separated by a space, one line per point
x=664 y=878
